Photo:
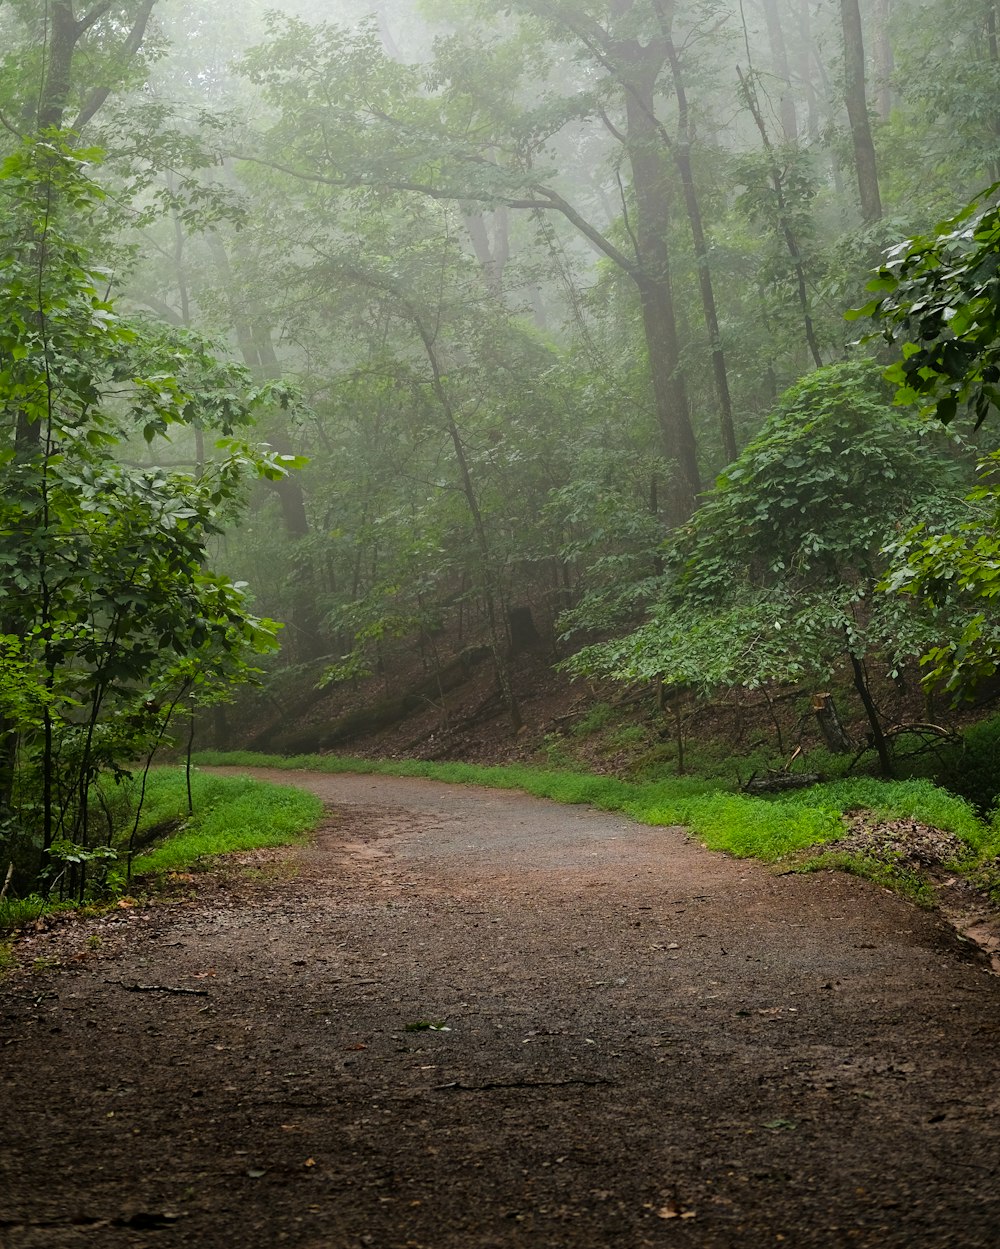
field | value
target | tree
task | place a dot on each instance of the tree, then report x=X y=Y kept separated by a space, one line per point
x=856 y=98
x=47 y=89
x=774 y=578
x=936 y=298
x=352 y=119
x=108 y=615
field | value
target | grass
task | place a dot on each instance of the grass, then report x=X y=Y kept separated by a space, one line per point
x=230 y=814
x=766 y=828
x=16 y=912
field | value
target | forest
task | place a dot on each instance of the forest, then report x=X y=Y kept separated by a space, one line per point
x=345 y=347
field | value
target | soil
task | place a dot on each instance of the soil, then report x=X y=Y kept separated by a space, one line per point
x=472 y=1019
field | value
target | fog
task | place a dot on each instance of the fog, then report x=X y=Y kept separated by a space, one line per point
x=530 y=279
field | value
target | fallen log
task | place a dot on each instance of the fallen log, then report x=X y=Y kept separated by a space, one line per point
x=775 y=782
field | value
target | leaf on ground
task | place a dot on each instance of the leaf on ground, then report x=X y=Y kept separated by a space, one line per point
x=673 y=1211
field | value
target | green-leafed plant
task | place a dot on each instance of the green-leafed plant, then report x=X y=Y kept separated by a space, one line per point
x=181 y=822
x=109 y=618
x=936 y=296
x=774 y=579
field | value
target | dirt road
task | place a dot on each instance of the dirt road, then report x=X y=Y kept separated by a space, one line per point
x=465 y=1019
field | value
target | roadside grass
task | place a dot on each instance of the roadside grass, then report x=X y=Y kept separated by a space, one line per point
x=769 y=828
x=230 y=814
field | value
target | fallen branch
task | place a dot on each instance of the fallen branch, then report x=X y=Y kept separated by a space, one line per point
x=778 y=781
x=160 y=988
x=517 y=1084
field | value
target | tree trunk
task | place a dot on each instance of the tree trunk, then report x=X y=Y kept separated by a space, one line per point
x=65 y=32
x=682 y=157
x=807 y=53
x=855 y=95
x=877 y=736
x=497 y=648
x=993 y=51
x=652 y=231
x=492 y=256
x=779 y=67
x=777 y=179
x=521 y=628
x=825 y=710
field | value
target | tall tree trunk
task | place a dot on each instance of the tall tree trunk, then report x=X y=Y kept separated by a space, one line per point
x=650 y=185
x=779 y=67
x=807 y=54
x=856 y=98
x=776 y=176
x=636 y=67
x=257 y=349
x=993 y=51
x=385 y=34
x=491 y=254
x=492 y=597
x=65 y=30
x=878 y=739
x=682 y=157
x=885 y=61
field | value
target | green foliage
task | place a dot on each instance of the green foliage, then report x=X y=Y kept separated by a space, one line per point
x=611 y=534
x=109 y=617
x=942 y=141
x=773 y=580
x=972 y=769
x=598 y=717
x=813 y=496
x=955 y=577
x=937 y=295
x=229 y=815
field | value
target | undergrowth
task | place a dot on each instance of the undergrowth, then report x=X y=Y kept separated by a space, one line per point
x=230 y=814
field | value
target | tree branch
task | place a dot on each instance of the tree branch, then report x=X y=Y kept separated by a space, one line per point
x=546 y=200
x=128 y=51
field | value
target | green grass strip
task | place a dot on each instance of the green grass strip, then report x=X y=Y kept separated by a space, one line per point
x=766 y=828
x=230 y=814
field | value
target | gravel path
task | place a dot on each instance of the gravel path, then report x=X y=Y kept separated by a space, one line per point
x=464 y=1019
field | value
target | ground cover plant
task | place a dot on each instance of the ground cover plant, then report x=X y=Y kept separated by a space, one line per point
x=179 y=827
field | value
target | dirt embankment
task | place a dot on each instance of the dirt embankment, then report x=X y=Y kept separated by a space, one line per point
x=466 y=1019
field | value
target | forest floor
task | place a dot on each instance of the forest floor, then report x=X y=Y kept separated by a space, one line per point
x=465 y=1019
